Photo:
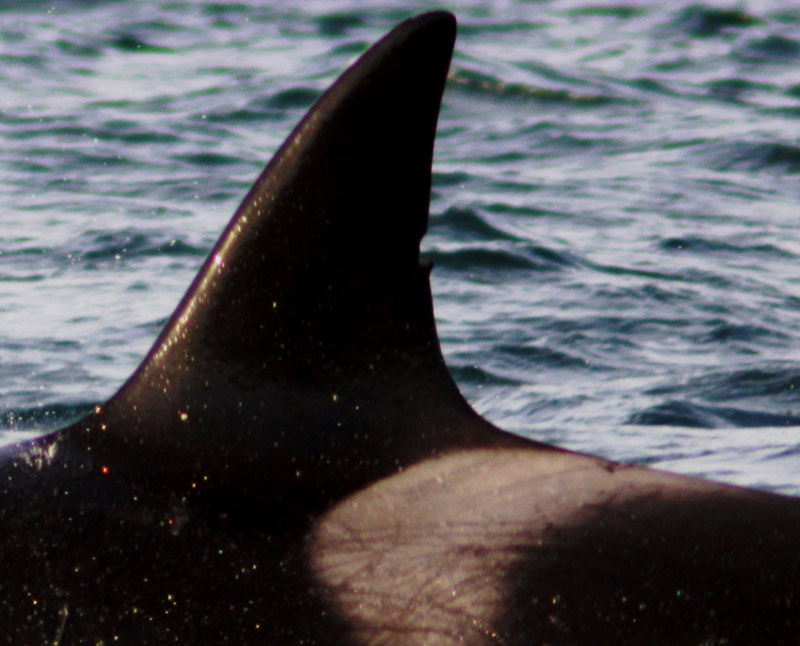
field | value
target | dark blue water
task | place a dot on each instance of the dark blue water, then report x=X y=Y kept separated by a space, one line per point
x=614 y=220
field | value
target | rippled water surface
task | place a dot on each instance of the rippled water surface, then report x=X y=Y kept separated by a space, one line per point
x=614 y=223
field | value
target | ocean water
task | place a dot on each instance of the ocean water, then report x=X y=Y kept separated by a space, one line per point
x=614 y=220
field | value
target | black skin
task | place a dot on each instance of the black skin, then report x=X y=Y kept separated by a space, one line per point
x=293 y=464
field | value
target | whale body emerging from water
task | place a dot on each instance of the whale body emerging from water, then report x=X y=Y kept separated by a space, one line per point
x=293 y=464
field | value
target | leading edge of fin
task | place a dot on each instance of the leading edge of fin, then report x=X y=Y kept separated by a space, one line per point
x=307 y=342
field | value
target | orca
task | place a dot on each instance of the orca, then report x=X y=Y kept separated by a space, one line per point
x=293 y=464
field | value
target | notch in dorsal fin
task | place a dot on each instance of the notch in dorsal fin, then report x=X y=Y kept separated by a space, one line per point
x=307 y=344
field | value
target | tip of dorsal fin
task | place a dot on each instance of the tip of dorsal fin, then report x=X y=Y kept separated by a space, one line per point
x=308 y=338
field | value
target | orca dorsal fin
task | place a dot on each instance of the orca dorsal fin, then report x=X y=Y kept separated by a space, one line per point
x=307 y=339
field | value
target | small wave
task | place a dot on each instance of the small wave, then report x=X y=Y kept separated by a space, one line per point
x=74 y=162
x=557 y=140
x=225 y=8
x=33 y=61
x=110 y=103
x=208 y=159
x=779 y=383
x=651 y=85
x=616 y=270
x=687 y=413
x=472 y=375
x=734 y=90
x=480 y=259
x=792 y=451
x=467 y=224
x=523 y=210
x=130 y=42
x=479 y=84
x=754 y=156
x=293 y=98
x=476 y=260
x=131 y=132
x=638 y=295
x=450 y=179
x=772 y=49
x=702 y=20
x=76 y=48
x=34 y=128
x=128 y=243
x=256 y=113
x=725 y=332
x=270 y=109
x=348 y=49
x=339 y=23
x=28 y=278
x=501 y=26
x=95 y=246
x=621 y=11
x=702 y=245
x=543 y=356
